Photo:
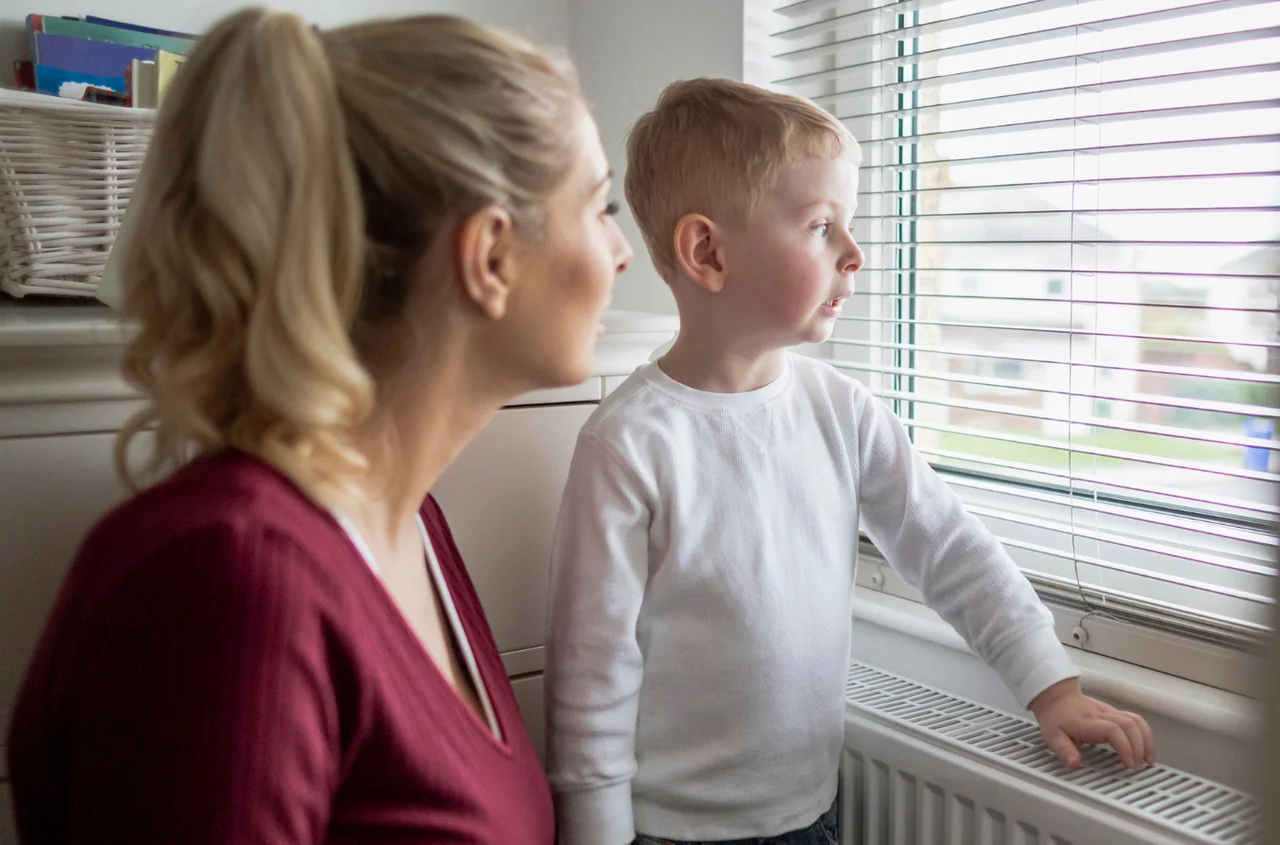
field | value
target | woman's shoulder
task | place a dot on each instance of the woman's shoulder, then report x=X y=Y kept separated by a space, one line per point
x=233 y=503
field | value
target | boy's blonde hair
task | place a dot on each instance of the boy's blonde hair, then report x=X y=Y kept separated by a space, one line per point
x=714 y=147
x=294 y=180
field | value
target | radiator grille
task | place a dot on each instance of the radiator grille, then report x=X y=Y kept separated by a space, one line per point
x=1198 y=809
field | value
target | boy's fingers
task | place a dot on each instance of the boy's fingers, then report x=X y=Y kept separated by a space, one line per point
x=1148 y=736
x=1064 y=747
x=1119 y=740
x=1137 y=741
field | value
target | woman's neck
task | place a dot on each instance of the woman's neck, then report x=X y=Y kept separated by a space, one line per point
x=424 y=419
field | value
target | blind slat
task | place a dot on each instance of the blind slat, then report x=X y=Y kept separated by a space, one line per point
x=1050 y=183
x=966 y=216
x=1064 y=330
x=1206 y=506
x=1062 y=300
x=1102 y=119
x=1097 y=452
x=1265 y=540
x=1033 y=95
x=1155 y=369
x=1040 y=95
x=1036 y=65
x=1186 y=434
x=1069 y=529
x=825 y=26
x=1113 y=566
x=1101 y=150
x=1202 y=405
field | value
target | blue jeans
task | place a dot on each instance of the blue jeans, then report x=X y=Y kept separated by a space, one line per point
x=821 y=832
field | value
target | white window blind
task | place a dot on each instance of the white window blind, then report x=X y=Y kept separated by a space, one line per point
x=1071 y=214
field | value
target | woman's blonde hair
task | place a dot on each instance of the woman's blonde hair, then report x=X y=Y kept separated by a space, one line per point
x=294 y=179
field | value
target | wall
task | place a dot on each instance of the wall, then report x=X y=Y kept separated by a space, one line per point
x=627 y=51
x=547 y=20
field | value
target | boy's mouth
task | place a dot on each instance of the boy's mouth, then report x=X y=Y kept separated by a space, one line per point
x=833 y=306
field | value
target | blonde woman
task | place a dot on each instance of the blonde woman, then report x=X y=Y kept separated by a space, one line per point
x=353 y=248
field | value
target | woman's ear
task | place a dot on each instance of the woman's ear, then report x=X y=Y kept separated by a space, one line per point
x=699 y=251
x=485 y=258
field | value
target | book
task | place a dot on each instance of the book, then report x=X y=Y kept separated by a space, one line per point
x=24 y=75
x=167 y=65
x=115 y=35
x=104 y=96
x=134 y=26
x=85 y=56
x=71 y=84
x=144 y=85
x=35 y=23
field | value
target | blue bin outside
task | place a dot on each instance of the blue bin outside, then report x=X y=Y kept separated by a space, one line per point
x=1256 y=457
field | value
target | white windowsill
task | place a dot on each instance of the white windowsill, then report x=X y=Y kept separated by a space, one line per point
x=1120 y=684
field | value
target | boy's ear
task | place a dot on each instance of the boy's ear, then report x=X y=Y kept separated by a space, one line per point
x=700 y=251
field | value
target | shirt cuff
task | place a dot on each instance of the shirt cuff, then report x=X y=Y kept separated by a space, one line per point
x=1032 y=663
x=596 y=816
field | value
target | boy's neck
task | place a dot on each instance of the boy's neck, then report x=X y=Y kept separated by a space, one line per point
x=709 y=364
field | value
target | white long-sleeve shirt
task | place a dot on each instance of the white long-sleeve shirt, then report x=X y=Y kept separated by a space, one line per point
x=701 y=600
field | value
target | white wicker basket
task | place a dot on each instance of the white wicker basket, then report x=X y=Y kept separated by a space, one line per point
x=67 y=170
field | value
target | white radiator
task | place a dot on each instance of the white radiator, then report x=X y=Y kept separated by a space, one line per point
x=923 y=767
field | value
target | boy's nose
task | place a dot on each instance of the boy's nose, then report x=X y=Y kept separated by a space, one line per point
x=851 y=262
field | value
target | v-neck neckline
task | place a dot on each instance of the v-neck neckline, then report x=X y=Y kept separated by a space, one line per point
x=494 y=730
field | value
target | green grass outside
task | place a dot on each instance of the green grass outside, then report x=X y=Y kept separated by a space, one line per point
x=1123 y=441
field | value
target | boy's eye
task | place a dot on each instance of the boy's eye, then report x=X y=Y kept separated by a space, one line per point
x=822 y=229
x=612 y=209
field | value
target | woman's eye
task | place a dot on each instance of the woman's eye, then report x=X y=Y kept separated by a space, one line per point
x=612 y=209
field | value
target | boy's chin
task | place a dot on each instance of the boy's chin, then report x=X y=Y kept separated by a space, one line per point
x=819 y=331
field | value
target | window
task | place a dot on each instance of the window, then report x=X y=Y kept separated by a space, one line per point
x=1071 y=214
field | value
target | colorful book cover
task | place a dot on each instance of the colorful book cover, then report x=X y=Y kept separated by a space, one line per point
x=85 y=56
x=116 y=35
x=137 y=28
x=72 y=84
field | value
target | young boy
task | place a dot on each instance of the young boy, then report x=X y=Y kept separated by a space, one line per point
x=703 y=565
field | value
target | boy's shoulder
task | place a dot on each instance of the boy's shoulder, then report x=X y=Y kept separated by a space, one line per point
x=816 y=376
x=630 y=407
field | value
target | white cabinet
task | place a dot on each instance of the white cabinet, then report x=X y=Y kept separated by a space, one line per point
x=528 y=689
x=501 y=498
x=52 y=489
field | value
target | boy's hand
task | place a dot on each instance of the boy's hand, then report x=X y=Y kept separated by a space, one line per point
x=1068 y=718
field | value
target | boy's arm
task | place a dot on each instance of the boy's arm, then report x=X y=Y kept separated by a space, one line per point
x=965 y=574
x=599 y=563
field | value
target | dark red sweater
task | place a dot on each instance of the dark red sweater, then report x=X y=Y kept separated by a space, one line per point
x=223 y=667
